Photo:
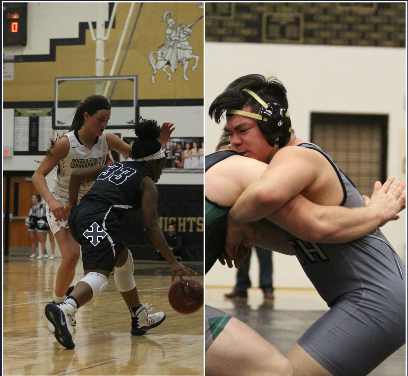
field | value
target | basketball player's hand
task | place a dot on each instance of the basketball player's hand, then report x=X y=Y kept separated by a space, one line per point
x=67 y=209
x=57 y=209
x=180 y=269
x=387 y=199
x=238 y=238
x=166 y=131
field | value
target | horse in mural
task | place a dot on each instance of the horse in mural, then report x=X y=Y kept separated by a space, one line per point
x=176 y=49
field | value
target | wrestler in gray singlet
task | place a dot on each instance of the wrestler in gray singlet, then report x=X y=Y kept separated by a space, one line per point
x=363 y=282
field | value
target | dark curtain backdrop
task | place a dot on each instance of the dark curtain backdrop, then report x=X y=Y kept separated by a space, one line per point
x=181 y=205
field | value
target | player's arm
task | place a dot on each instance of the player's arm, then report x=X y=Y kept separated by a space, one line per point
x=288 y=174
x=58 y=151
x=116 y=143
x=335 y=224
x=77 y=177
x=327 y=224
x=153 y=230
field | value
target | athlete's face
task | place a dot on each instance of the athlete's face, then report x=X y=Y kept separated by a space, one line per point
x=247 y=138
x=34 y=199
x=157 y=168
x=97 y=122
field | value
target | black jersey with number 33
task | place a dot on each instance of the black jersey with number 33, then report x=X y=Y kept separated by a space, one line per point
x=118 y=185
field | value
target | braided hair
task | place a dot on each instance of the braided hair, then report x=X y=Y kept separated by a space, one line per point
x=147 y=132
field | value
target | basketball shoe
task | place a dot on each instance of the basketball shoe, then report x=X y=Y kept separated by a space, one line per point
x=142 y=321
x=72 y=319
x=58 y=315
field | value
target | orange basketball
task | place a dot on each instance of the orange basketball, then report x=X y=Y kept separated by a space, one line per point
x=187 y=297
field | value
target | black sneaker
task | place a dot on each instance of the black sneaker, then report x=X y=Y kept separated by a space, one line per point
x=60 y=321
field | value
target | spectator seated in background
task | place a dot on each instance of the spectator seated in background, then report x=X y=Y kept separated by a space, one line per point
x=175 y=243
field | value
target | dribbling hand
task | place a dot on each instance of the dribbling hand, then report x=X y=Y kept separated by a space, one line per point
x=180 y=269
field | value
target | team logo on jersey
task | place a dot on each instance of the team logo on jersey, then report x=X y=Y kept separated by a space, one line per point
x=95 y=234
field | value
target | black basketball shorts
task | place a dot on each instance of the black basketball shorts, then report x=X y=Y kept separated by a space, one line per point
x=97 y=229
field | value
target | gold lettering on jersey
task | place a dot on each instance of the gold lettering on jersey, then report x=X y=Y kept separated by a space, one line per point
x=84 y=163
x=308 y=251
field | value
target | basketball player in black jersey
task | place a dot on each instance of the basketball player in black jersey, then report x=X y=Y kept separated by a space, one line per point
x=95 y=224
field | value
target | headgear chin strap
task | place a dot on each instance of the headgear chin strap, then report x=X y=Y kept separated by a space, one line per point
x=273 y=120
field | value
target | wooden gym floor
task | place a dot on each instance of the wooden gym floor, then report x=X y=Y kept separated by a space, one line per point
x=104 y=345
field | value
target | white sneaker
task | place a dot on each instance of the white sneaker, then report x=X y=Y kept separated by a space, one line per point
x=71 y=319
x=142 y=321
x=40 y=257
x=33 y=255
x=58 y=315
x=45 y=256
x=51 y=257
x=50 y=327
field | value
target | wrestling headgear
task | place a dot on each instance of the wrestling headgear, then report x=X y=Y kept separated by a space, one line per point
x=273 y=120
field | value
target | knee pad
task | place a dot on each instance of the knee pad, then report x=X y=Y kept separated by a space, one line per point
x=124 y=275
x=97 y=281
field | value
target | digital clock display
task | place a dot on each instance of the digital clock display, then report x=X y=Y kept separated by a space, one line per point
x=14 y=24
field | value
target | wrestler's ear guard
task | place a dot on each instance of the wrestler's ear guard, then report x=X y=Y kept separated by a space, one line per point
x=273 y=120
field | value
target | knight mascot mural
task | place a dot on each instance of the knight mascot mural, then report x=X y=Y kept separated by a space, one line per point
x=175 y=49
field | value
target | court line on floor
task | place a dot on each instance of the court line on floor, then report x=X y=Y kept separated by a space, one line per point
x=105 y=293
x=83 y=369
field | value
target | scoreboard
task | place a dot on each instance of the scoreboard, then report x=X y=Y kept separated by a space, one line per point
x=14 y=24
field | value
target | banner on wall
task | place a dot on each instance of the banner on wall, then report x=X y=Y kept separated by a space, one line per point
x=185 y=154
x=8 y=67
x=181 y=205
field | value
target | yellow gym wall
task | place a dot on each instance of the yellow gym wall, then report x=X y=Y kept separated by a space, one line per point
x=34 y=81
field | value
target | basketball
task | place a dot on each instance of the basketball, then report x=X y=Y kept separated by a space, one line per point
x=179 y=164
x=187 y=297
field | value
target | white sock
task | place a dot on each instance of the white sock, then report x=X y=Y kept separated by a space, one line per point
x=70 y=305
x=59 y=299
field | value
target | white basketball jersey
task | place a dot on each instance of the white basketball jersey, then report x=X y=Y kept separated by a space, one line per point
x=79 y=156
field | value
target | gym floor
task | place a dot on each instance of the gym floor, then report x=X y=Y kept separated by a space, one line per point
x=104 y=345
x=283 y=320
